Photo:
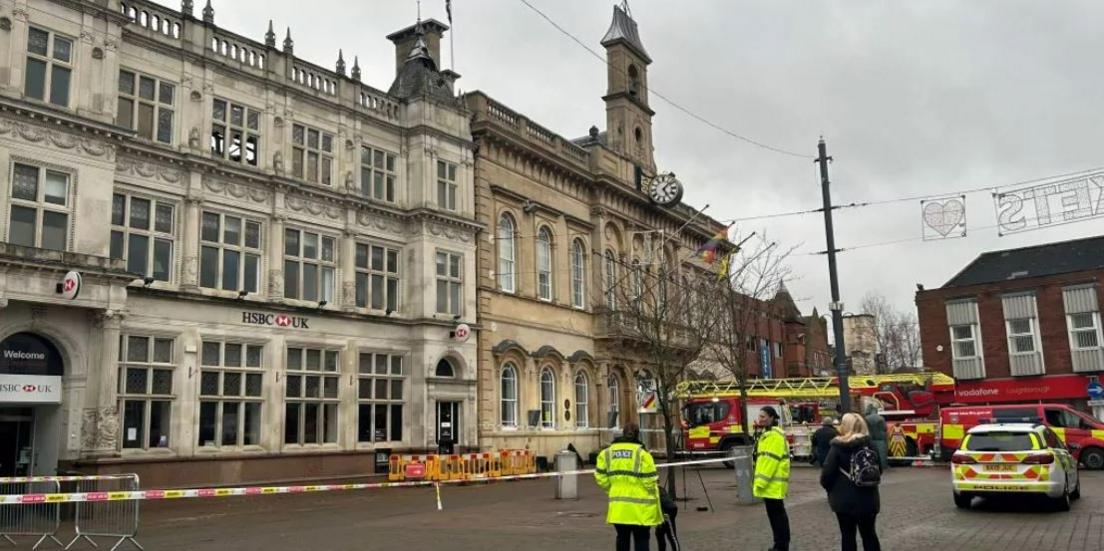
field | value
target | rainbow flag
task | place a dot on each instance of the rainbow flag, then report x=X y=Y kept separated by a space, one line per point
x=708 y=251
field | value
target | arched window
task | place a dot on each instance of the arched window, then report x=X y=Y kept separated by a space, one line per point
x=506 y=262
x=634 y=81
x=444 y=369
x=611 y=280
x=582 y=400
x=544 y=264
x=614 y=400
x=548 y=399
x=508 y=397
x=578 y=274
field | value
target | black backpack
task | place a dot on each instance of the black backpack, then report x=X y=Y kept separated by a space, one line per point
x=866 y=469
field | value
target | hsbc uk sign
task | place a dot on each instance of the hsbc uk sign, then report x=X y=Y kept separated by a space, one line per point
x=275 y=320
x=30 y=389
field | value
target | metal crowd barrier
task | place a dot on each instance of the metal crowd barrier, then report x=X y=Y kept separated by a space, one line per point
x=40 y=519
x=109 y=519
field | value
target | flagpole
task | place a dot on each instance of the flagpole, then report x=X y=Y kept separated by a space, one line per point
x=452 y=37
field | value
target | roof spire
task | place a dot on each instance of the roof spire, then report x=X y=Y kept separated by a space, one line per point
x=186 y=7
x=340 y=62
x=289 y=44
x=209 y=13
x=270 y=36
x=356 y=68
x=623 y=29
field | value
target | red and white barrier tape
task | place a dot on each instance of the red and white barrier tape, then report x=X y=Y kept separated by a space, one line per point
x=152 y=495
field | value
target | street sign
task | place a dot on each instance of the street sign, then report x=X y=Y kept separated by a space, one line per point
x=1096 y=390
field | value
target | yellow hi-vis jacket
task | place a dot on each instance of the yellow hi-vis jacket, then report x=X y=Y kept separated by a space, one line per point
x=627 y=472
x=772 y=465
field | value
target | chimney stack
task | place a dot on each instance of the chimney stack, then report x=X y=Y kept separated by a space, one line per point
x=405 y=40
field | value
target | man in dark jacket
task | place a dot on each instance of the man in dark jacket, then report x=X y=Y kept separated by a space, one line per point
x=822 y=441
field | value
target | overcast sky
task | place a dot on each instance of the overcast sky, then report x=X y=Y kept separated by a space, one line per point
x=913 y=98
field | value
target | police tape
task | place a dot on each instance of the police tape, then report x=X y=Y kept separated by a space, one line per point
x=156 y=495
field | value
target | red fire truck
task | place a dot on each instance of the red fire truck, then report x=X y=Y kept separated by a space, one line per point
x=712 y=411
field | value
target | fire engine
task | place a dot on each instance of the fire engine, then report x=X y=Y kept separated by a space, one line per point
x=712 y=412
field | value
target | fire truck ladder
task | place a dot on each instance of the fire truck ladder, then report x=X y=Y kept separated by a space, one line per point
x=806 y=387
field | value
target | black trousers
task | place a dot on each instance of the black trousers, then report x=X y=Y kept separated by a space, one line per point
x=668 y=532
x=779 y=522
x=638 y=534
x=865 y=526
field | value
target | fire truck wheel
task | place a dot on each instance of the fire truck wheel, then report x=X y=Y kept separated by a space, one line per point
x=962 y=501
x=1093 y=458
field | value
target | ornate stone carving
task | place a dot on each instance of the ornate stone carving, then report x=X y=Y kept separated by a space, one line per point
x=381 y=223
x=5 y=24
x=88 y=429
x=316 y=208
x=193 y=138
x=191 y=268
x=107 y=428
x=148 y=170
x=348 y=294
x=236 y=191
x=278 y=161
x=448 y=232
x=21 y=13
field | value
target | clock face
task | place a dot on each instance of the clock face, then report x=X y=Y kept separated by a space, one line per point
x=666 y=190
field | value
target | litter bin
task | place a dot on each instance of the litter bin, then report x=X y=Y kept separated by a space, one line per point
x=567 y=486
x=745 y=474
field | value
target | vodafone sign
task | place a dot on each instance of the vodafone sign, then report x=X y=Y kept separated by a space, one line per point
x=30 y=389
x=1033 y=389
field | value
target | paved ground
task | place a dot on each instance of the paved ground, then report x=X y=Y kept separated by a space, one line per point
x=917 y=513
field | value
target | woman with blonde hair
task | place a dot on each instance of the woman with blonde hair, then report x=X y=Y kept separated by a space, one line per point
x=851 y=474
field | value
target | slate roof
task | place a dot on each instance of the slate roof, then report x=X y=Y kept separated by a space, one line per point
x=1041 y=260
x=624 y=28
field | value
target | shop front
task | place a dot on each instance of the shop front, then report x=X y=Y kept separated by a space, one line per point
x=31 y=370
x=1075 y=390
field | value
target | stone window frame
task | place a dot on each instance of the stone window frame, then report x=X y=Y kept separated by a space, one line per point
x=150 y=394
x=506 y=233
x=242 y=248
x=160 y=130
x=249 y=129
x=545 y=260
x=379 y=174
x=366 y=272
x=299 y=262
x=40 y=205
x=508 y=405
x=452 y=283
x=547 y=402
x=325 y=399
x=582 y=406
x=52 y=65
x=368 y=385
x=125 y=231
x=306 y=141
x=244 y=400
x=447 y=186
x=578 y=274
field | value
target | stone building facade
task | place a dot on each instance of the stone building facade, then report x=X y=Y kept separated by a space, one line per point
x=566 y=220
x=860 y=333
x=274 y=255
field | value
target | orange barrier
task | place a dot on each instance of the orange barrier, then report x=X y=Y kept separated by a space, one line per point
x=460 y=467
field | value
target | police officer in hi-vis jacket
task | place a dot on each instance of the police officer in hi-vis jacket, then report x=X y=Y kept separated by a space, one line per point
x=627 y=472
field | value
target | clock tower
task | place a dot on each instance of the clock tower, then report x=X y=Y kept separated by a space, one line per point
x=628 y=117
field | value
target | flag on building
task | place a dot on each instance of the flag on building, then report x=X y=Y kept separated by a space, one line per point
x=708 y=251
x=448 y=10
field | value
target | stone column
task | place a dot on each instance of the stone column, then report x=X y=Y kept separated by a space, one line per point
x=100 y=424
x=275 y=287
x=189 y=277
x=347 y=269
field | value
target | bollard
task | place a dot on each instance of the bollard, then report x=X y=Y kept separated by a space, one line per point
x=745 y=474
x=567 y=486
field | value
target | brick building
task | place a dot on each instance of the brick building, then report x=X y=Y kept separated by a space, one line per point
x=1020 y=325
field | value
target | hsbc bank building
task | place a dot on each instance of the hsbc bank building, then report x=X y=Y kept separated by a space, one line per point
x=274 y=257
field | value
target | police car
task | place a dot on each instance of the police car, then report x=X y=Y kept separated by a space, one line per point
x=1009 y=459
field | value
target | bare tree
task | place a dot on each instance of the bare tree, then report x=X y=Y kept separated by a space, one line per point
x=756 y=271
x=897 y=332
x=662 y=315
